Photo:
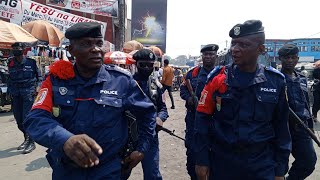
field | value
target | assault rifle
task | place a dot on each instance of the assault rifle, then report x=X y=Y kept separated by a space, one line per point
x=170 y=132
x=192 y=93
x=297 y=119
x=132 y=135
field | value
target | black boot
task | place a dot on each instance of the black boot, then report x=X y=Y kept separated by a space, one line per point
x=25 y=142
x=30 y=147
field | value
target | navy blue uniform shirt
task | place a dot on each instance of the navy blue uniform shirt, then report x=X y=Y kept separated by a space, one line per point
x=251 y=114
x=94 y=107
x=23 y=76
x=297 y=90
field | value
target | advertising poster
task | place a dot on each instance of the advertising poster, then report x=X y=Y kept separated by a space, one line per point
x=23 y=11
x=100 y=7
x=149 y=22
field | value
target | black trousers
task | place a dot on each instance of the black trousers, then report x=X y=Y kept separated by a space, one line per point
x=316 y=102
x=169 y=88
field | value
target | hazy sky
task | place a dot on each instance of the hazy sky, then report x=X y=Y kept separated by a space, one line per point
x=191 y=23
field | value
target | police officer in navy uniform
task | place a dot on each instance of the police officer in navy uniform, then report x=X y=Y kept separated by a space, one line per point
x=145 y=60
x=297 y=90
x=315 y=88
x=197 y=77
x=24 y=77
x=242 y=115
x=79 y=113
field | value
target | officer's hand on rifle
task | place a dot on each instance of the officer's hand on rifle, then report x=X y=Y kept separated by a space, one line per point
x=202 y=172
x=190 y=101
x=83 y=150
x=131 y=161
x=279 y=178
x=159 y=124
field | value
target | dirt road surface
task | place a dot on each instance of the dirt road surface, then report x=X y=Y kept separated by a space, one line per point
x=34 y=166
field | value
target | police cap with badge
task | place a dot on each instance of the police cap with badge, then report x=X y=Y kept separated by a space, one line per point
x=209 y=47
x=249 y=27
x=288 y=49
x=18 y=45
x=144 y=55
x=84 y=29
x=145 y=59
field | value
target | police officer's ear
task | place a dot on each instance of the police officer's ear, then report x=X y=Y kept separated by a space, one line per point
x=70 y=48
x=261 y=49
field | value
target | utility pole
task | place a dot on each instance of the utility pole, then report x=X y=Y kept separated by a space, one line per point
x=122 y=19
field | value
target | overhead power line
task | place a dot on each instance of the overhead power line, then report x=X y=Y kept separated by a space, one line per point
x=313 y=34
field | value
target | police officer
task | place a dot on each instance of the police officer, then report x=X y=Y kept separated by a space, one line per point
x=79 y=111
x=145 y=60
x=297 y=90
x=24 y=77
x=315 y=88
x=242 y=115
x=196 y=77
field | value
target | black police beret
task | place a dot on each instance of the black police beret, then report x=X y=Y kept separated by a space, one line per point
x=18 y=44
x=144 y=55
x=288 y=49
x=210 y=47
x=84 y=29
x=247 y=28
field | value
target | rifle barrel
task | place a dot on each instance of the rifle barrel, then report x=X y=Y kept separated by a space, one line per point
x=171 y=133
x=312 y=135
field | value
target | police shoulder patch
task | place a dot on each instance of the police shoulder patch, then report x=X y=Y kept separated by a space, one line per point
x=271 y=69
x=112 y=67
x=213 y=72
x=40 y=97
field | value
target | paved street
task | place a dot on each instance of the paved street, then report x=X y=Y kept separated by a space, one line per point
x=16 y=166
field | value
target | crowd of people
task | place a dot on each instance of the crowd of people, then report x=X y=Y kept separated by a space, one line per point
x=239 y=123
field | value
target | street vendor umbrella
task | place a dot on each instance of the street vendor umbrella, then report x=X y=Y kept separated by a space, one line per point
x=11 y=33
x=118 y=57
x=130 y=46
x=45 y=31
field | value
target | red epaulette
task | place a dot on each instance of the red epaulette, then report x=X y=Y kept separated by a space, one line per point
x=217 y=84
x=62 y=69
x=195 y=71
x=11 y=64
